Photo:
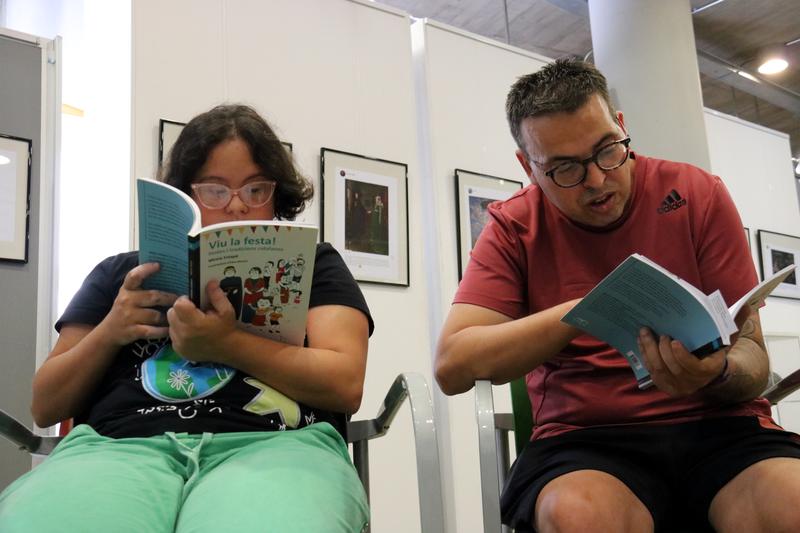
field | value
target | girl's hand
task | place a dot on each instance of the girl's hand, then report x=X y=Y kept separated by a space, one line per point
x=132 y=315
x=200 y=336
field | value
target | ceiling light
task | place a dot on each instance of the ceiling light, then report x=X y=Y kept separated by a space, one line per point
x=797 y=167
x=772 y=60
x=4 y=160
x=773 y=66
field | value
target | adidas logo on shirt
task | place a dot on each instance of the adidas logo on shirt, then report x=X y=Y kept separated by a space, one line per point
x=672 y=202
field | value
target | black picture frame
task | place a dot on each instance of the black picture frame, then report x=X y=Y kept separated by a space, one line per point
x=775 y=251
x=168 y=131
x=16 y=157
x=474 y=192
x=364 y=214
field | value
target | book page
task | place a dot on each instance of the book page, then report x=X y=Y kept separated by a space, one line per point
x=758 y=294
x=636 y=295
x=265 y=268
x=166 y=215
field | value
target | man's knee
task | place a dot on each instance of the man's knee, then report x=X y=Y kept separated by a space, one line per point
x=763 y=497
x=587 y=501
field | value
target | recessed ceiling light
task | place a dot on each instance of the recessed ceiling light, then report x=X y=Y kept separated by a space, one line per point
x=4 y=160
x=773 y=66
x=772 y=59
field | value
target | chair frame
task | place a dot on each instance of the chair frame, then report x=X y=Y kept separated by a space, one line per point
x=493 y=430
x=411 y=386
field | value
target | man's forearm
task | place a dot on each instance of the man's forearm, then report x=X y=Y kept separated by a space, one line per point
x=501 y=352
x=747 y=370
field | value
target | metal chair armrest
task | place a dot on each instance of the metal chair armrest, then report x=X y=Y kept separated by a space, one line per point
x=413 y=387
x=13 y=430
x=783 y=388
x=488 y=450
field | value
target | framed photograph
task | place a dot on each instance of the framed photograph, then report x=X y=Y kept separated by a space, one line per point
x=16 y=155
x=474 y=193
x=365 y=214
x=775 y=251
x=747 y=234
x=168 y=131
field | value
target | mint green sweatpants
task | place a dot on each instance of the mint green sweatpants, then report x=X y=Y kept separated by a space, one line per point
x=288 y=481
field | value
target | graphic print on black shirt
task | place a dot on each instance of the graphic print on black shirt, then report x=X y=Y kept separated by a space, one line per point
x=149 y=389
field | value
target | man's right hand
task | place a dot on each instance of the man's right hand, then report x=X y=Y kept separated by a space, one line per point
x=132 y=316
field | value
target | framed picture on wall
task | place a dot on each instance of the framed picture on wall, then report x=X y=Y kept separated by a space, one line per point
x=168 y=131
x=16 y=155
x=747 y=234
x=776 y=251
x=365 y=215
x=474 y=193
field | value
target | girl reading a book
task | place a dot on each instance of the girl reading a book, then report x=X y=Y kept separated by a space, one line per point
x=185 y=422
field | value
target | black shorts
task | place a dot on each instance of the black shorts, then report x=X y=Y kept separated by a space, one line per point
x=675 y=470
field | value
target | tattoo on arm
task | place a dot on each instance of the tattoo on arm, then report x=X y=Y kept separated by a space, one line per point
x=748 y=368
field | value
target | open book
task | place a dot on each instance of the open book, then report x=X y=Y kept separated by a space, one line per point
x=640 y=293
x=263 y=266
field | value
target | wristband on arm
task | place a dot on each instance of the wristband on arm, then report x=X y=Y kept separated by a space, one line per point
x=723 y=376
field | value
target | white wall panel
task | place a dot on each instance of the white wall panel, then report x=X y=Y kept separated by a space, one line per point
x=755 y=164
x=466 y=82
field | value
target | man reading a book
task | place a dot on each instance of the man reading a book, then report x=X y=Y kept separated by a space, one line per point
x=605 y=455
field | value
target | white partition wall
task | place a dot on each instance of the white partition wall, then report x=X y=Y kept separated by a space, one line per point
x=755 y=164
x=464 y=79
x=326 y=73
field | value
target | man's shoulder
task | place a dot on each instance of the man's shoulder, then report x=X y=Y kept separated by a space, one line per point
x=522 y=204
x=672 y=184
x=678 y=170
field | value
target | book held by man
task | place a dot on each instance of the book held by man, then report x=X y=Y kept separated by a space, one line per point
x=263 y=266
x=640 y=293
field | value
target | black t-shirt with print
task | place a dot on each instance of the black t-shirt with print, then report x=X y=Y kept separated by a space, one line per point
x=128 y=400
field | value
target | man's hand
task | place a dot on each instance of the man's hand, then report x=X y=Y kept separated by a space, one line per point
x=200 y=336
x=132 y=315
x=675 y=370
x=678 y=372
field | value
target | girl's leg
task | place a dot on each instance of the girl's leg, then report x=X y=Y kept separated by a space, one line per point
x=92 y=483
x=292 y=481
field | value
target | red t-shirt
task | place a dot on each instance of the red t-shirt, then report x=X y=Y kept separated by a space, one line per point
x=531 y=257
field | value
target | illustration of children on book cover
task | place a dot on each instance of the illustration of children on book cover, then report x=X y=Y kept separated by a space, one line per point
x=262 y=270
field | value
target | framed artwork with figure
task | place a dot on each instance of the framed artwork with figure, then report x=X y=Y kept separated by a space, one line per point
x=474 y=193
x=365 y=215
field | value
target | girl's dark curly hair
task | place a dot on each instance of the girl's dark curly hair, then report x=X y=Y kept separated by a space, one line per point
x=207 y=130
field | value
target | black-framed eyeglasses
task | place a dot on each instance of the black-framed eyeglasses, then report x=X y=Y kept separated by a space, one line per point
x=572 y=172
x=219 y=195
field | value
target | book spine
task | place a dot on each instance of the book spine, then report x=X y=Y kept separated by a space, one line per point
x=194 y=269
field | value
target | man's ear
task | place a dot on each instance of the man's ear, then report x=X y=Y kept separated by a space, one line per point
x=621 y=122
x=523 y=160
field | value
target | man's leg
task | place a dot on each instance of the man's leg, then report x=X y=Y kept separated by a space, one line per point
x=765 y=497
x=590 y=500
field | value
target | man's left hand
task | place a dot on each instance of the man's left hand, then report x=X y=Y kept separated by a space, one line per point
x=675 y=370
